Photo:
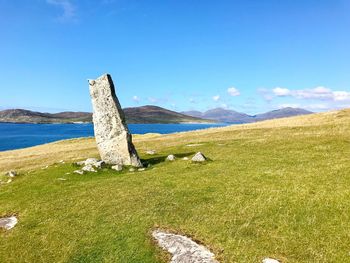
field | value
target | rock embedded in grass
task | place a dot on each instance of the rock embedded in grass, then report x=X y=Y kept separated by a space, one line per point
x=183 y=249
x=270 y=260
x=91 y=162
x=88 y=168
x=78 y=172
x=171 y=157
x=12 y=173
x=151 y=152
x=117 y=167
x=8 y=222
x=199 y=157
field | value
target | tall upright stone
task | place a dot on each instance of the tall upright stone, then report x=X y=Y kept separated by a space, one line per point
x=113 y=138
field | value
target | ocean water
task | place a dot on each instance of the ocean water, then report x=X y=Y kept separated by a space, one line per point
x=16 y=136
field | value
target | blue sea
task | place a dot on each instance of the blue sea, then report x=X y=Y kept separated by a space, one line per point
x=16 y=136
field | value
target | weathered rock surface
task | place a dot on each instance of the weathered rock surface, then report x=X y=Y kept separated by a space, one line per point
x=11 y=173
x=113 y=138
x=171 y=157
x=92 y=161
x=183 y=249
x=199 y=157
x=8 y=222
x=88 y=168
x=117 y=167
x=270 y=260
x=78 y=172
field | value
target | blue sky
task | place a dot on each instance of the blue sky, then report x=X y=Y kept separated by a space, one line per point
x=250 y=56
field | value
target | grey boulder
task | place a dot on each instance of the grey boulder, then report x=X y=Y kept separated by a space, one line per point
x=199 y=157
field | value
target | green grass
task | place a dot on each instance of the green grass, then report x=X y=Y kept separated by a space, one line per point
x=278 y=192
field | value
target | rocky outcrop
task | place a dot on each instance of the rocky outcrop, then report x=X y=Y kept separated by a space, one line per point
x=113 y=138
x=183 y=249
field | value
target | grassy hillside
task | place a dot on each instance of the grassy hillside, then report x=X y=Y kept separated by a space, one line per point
x=276 y=189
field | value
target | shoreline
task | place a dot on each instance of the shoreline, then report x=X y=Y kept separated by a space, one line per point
x=207 y=123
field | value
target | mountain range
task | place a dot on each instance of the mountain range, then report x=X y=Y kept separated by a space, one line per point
x=144 y=114
x=149 y=114
x=231 y=116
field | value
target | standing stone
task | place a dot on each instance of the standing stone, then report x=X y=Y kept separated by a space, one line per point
x=113 y=138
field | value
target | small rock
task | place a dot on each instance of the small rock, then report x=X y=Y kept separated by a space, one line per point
x=171 y=157
x=45 y=167
x=270 y=260
x=78 y=172
x=132 y=170
x=141 y=169
x=151 y=152
x=194 y=145
x=91 y=161
x=8 y=222
x=67 y=173
x=61 y=161
x=199 y=157
x=9 y=181
x=185 y=158
x=61 y=179
x=11 y=173
x=117 y=167
x=99 y=164
x=89 y=168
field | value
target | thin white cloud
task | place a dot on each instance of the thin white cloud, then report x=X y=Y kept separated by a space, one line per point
x=281 y=92
x=153 y=100
x=321 y=93
x=192 y=100
x=266 y=94
x=288 y=105
x=216 y=98
x=233 y=92
x=136 y=99
x=69 y=10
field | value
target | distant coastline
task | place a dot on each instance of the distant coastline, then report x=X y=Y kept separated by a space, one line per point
x=149 y=115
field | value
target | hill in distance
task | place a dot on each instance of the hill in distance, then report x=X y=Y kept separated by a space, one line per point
x=150 y=114
x=144 y=114
x=231 y=116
